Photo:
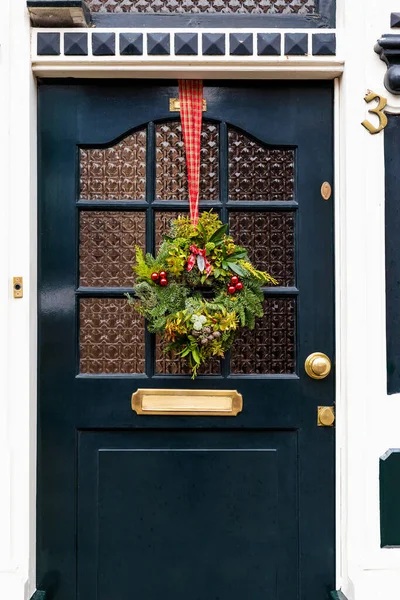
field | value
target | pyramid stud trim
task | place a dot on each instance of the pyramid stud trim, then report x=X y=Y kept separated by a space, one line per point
x=131 y=44
x=103 y=44
x=269 y=44
x=48 y=44
x=296 y=44
x=75 y=44
x=241 y=44
x=158 y=44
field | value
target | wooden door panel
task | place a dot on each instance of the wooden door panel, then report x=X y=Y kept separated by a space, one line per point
x=185 y=517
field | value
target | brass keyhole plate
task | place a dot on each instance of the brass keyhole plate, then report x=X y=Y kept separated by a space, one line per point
x=326 y=416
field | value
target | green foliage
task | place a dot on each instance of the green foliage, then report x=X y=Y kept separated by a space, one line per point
x=194 y=313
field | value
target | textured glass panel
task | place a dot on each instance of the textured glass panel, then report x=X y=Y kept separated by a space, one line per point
x=171 y=174
x=168 y=364
x=116 y=173
x=273 y=7
x=107 y=242
x=257 y=172
x=163 y=224
x=269 y=239
x=270 y=347
x=111 y=337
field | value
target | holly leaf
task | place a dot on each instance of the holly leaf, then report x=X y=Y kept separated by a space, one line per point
x=237 y=269
x=219 y=234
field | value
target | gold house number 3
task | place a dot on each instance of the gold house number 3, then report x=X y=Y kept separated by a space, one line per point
x=378 y=111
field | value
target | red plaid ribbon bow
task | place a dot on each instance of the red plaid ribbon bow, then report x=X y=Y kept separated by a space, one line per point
x=199 y=256
x=191 y=108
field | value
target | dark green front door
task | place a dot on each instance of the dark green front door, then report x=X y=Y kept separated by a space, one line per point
x=183 y=507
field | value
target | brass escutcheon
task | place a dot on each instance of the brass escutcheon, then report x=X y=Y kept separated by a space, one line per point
x=175 y=105
x=326 y=190
x=317 y=365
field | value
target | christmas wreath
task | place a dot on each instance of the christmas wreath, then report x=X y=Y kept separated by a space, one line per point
x=199 y=289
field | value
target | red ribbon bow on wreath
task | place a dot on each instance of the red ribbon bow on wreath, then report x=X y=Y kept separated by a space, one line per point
x=199 y=256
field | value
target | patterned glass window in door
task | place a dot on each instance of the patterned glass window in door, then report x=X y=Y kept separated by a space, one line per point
x=115 y=173
x=111 y=337
x=107 y=241
x=236 y=170
x=270 y=347
x=272 y=7
x=257 y=172
x=269 y=239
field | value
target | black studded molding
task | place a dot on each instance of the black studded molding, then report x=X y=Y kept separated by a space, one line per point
x=103 y=44
x=388 y=48
x=158 y=44
x=131 y=44
x=194 y=43
x=186 y=44
x=324 y=44
x=296 y=44
x=213 y=44
x=241 y=44
x=75 y=44
x=48 y=44
x=268 y=44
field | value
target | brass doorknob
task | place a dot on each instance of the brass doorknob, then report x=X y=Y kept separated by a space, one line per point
x=317 y=365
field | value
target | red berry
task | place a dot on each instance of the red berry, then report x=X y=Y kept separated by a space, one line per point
x=231 y=289
x=163 y=275
x=155 y=276
x=239 y=286
x=163 y=281
x=234 y=279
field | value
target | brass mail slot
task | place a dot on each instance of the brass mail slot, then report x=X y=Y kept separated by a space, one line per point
x=218 y=403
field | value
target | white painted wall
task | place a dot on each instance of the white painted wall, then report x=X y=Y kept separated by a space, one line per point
x=367 y=420
x=17 y=318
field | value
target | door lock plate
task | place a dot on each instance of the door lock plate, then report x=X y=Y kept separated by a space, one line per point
x=326 y=416
x=18 y=287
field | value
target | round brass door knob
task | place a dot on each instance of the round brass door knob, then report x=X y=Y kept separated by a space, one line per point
x=318 y=365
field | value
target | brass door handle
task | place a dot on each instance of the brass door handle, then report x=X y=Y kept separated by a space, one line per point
x=318 y=365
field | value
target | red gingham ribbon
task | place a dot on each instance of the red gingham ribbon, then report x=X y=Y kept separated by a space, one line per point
x=191 y=108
